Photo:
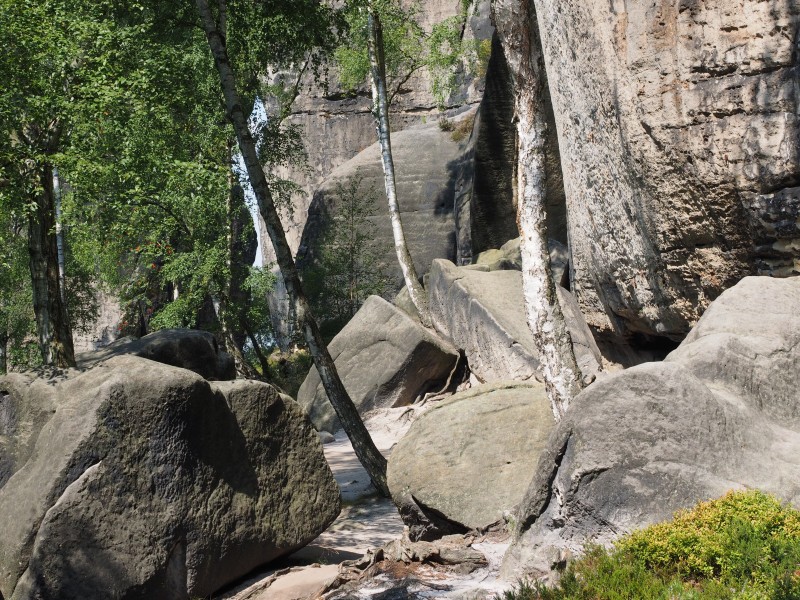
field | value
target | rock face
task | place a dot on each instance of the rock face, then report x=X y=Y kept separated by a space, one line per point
x=460 y=461
x=428 y=162
x=722 y=412
x=337 y=125
x=678 y=129
x=190 y=349
x=105 y=329
x=141 y=480
x=384 y=358
x=482 y=313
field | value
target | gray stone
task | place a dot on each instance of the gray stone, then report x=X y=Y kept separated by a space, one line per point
x=427 y=162
x=509 y=257
x=148 y=482
x=677 y=127
x=190 y=349
x=721 y=412
x=493 y=209
x=483 y=314
x=337 y=125
x=403 y=301
x=384 y=358
x=460 y=461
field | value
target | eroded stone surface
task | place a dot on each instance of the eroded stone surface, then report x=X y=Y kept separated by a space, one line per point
x=678 y=129
x=461 y=460
x=721 y=412
x=385 y=358
x=147 y=481
x=482 y=313
x=428 y=163
x=190 y=349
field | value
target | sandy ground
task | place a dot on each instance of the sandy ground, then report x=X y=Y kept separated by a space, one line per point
x=366 y=521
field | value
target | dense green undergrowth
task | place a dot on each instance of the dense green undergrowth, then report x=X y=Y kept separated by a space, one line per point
x=745 y=545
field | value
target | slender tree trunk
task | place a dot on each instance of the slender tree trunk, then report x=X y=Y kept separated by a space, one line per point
x=59 y=236
x=3 y=353
x=380 y=107
x=52 y=322
x=372 y=460
x=223 y=306
x=256 y=347
x=516 y=26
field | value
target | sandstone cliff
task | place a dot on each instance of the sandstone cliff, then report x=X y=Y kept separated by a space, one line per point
x=678 y=131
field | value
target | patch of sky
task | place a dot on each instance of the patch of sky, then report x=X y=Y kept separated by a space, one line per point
x=257 y=122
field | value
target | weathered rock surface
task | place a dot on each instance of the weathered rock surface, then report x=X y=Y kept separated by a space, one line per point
x=678 y=127
x=509 y=257
x=105 y=329
x=384 y=358
x=459 y=464
x=428 y=161
x=190 y=349
x=722 y=412
x=483 y=314
x=492 y=206
x=338 y=125
x=145 y=481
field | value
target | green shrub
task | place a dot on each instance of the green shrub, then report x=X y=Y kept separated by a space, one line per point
x=463 y=129
x=288 y=370
x=745 y=545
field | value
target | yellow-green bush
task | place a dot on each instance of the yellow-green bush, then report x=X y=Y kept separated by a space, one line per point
x=745 y=545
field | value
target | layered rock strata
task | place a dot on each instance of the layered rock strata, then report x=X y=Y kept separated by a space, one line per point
x=678 y=133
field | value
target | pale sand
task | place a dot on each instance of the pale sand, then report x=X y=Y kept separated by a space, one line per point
x=366 y=521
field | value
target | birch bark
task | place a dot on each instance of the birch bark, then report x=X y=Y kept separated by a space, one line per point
x=369 y=456
x=52 y=322
x=517 y=27
x=380 y=107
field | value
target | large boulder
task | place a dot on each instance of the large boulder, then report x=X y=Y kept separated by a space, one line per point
x=458 y=466
x=721 y=412
x=427 y=161
x=190 y=349
x=141 y=480
x=483 y=313
x=677 y=127
x=385 y=358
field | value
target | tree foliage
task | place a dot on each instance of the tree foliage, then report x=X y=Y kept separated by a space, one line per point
x=408 y=47
x=348 y=269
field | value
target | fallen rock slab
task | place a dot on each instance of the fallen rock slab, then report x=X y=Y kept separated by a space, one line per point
x=721 y=412
x=190 y=349
x=384 y=358
x=462 y=464
x=483 y=313
x=148 y=481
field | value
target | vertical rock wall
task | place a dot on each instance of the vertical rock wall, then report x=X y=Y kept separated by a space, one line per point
x=678 y=131
x=338 y=125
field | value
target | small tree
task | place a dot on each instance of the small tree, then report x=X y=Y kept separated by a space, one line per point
x=17 y=321
x=396 y=53
x=347 y=270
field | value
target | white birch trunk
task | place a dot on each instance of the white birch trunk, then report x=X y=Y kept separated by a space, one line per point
x=516 y=26
x=380 y=107
x=59 y=235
